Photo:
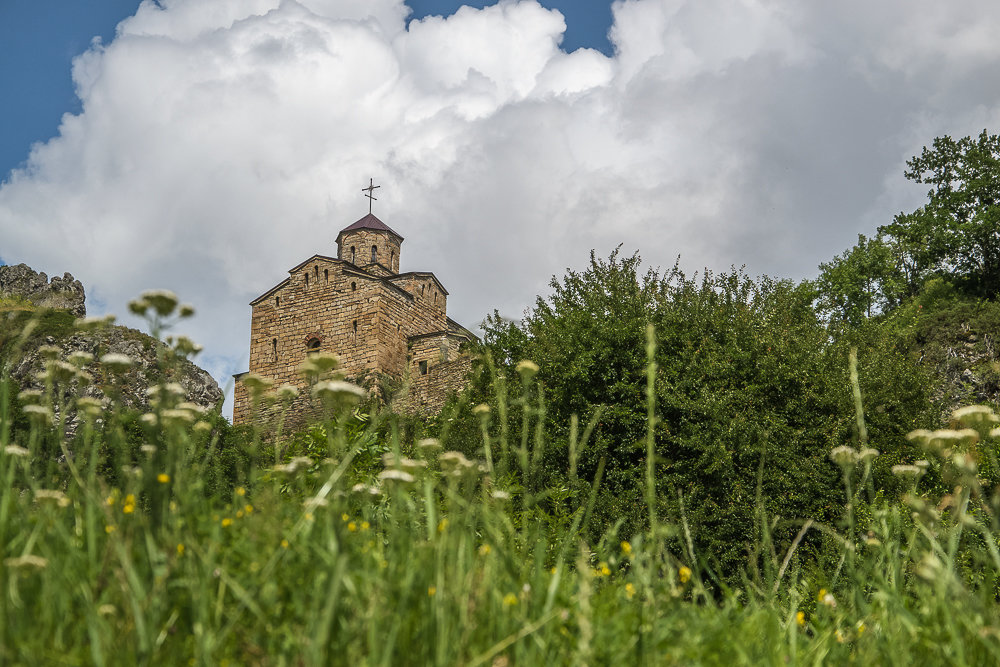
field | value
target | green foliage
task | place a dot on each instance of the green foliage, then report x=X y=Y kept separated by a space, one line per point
x=752 y=395
x=178 y=552
x=955 y=236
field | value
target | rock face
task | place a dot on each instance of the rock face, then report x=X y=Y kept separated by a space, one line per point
x=129 y=388
x=65 y=293
x=152 y=362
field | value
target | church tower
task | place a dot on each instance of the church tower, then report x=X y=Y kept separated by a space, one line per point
x=370 y=244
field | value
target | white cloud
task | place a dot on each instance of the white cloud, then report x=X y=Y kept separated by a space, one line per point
x=223 y=141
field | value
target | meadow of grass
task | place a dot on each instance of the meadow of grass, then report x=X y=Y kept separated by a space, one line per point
x=379 y=550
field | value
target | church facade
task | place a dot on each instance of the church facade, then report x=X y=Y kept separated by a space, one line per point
x=386 y=327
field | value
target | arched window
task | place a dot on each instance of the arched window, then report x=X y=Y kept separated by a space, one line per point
x=312 y=346
x=354 y=287
x=316 y=269
x=274 y=349
x=326 y=274
x=307 y=279
x=277 y=301
x=435 y=297
x=421 y=290
x=353 y=253
x=392 y=258
x=374 y=254
x=355 y=323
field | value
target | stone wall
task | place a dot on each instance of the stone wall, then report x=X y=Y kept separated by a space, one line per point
x=426 y=394
x=362 y=240
x=65 y=293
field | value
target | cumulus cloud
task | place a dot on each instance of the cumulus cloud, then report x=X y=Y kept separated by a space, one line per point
x=223 y=141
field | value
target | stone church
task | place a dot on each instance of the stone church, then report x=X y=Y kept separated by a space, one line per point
x=388 y=328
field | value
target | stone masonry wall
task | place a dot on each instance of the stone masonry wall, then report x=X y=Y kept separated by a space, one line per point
x=337 y=307
x=363 y=240
x=426 y=394
x=424 y=289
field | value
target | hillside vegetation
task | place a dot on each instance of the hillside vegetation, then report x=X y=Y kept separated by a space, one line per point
x=649 y=468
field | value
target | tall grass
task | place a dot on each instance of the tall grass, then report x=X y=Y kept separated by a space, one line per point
x=112 y=555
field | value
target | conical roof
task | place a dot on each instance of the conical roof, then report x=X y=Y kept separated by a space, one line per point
x=369 y=222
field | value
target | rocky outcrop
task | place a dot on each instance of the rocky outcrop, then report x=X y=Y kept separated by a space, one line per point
x=152 y=364
x=57 y=347
x=64 y=293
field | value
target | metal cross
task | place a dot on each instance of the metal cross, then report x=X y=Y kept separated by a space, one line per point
x=370 y=190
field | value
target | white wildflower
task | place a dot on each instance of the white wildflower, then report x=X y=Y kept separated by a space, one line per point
x=16 y=450
x=339 y=389
x=116 y=361
x=973 y=415
x=51 y=495
x=287 y=392
x=844 y=456
x=161 y=300
x=396 y=476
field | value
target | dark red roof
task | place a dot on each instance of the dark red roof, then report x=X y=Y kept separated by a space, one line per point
x=370 y=222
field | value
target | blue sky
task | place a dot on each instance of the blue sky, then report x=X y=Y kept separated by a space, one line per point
x=40 y=38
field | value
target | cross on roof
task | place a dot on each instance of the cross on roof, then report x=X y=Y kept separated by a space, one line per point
x=370 y=190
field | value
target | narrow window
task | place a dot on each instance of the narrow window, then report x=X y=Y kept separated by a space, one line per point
x=277 y=301
x=374 y=254
x=274 y=349
x=421 y=290
x=354 y=287
x=392 y=258
x=307 y=280
x=326 y=274
x=353 y=253
x=423 y=368
x=312 y=346
x=435 y=297
x=316 y=269
x=355 y=323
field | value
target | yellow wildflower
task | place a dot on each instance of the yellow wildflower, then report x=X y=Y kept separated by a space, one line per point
x=352 y=526
x=109 y=529
x=442 y=525
x=365 y=525
x=345 y=516
x=629 y=590
x=128 y=508
x=239 y=514
x=484 y=549
x=626 y=548
x=432 y=590
x=163 y=478
x=227 y=522
x=180 y=549
x=684 y=574
x=111 y=500
x=509 y=600
x=284 y=544
x=603 y=569
x=240 y=491
x=248 y=508
x=800 y=618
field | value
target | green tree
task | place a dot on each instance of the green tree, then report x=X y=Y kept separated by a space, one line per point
x=749 y=383
x=861 y=282
x=957 y=231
